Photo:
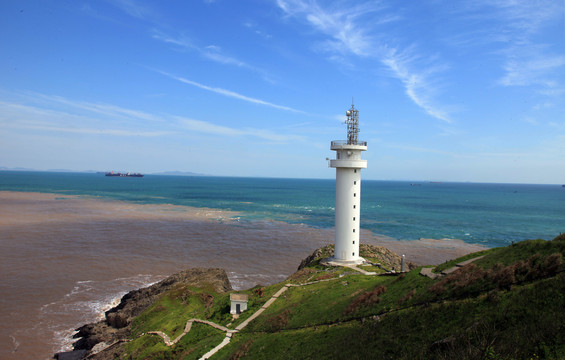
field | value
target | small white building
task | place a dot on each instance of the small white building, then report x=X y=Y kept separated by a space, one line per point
x=238 y=303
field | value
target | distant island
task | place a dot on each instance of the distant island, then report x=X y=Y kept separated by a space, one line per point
x=120 y=174
x=172 y=173
x=179 y=173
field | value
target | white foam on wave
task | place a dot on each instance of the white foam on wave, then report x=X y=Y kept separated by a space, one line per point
x=15 y=342
x=87 y=302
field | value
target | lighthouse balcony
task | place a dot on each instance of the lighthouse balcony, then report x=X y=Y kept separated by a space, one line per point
x=343 y=145
x=346 y=163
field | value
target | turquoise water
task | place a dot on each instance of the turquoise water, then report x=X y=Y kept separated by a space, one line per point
x=488 y=214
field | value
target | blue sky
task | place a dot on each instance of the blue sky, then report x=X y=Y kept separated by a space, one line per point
x=446 y=90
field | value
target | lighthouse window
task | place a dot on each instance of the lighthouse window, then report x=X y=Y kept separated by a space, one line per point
x=354 y=218
x=338 y=156
x=353 y=242
x=355 y=183
x=354 y=194
x=353 y=230
x=354 y=206
x=354 y=170
x=353 y=254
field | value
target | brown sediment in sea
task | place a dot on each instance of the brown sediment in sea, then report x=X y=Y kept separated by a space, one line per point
x=45 y=208
x=431 y=251
x=52 y=246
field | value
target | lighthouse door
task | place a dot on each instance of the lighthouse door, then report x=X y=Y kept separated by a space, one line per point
x=238 y=308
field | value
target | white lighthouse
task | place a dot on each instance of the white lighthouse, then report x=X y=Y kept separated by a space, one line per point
x=348 y=165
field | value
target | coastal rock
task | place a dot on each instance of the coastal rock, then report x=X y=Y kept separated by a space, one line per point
x=373 y=253
x=319 y=253
x=134 y=302
x=116 y=326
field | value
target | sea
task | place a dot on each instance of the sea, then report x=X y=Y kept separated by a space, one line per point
x=64 y=262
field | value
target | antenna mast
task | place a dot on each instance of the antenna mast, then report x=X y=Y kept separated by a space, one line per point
x=352 y=125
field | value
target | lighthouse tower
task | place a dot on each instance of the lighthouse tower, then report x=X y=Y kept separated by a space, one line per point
x=348 y=165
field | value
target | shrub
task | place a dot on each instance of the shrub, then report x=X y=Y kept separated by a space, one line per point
x=407 y=297
x=552 y=264
x=560 y=237
x=207 y=300
x=242 y=351
x=502 y=276
x=365 y=299
x=278 y=322
x=324 y=276
x=260 y=291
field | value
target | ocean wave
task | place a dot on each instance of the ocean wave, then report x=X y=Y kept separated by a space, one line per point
x=87 y=301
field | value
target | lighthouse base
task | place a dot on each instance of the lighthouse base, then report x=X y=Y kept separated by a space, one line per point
x=332 y=261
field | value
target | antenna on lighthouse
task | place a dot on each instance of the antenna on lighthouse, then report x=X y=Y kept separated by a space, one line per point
x=352 y=125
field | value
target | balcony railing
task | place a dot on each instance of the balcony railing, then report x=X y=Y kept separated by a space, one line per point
x=344 y=142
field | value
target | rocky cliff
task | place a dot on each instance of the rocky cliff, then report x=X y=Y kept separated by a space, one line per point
x=116 y=326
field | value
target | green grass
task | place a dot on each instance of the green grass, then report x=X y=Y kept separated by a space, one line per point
x=516 y=325
x=201 y=339
x=451 y=263
x=507 y=305
x=171 y=312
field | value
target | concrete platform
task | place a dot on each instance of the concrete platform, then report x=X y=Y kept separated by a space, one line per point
x=338 y=262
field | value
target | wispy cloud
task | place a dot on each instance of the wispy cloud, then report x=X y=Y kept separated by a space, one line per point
x=353 y=31
x=417 y=85
x=210 y=52
x=132 y=8
x=103 y=109
x=91 y=131
x=338 y=23
x=527 y=67
x=213 y=129
x=27 y=117
x=514 y=26
x=61 y=115
x=231 y=94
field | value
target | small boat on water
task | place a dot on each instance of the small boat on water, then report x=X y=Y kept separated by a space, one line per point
x=119 y=174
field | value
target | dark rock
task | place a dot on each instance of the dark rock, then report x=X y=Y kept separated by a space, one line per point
x=71 y=355
x=116 y=320
x=134 y=302
x=116 y=326
x=323 y=252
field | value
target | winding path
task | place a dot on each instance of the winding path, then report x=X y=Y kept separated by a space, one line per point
x=231 y=332
x=429 y=271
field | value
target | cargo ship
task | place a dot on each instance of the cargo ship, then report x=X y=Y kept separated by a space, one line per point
x=118 y=174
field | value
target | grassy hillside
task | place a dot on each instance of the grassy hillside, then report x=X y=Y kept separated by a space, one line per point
x=510 y=304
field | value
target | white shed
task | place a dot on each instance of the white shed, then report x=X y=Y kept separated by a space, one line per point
x=238 y=303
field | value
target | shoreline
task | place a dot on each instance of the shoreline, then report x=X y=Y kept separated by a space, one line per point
x=53 y=241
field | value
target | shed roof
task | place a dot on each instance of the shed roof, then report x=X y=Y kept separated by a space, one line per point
x=239 y=297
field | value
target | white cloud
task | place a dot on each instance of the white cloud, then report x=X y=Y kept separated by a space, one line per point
x=26 y=117
x=103 y=109
x=213 y=129
x=534 y=68
x=528 y=60
x=132 y=8
x=339 y=23
x=350 y=34
x=58 y=114
x=231 y=94
x=417 y=85
x=210 y=52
